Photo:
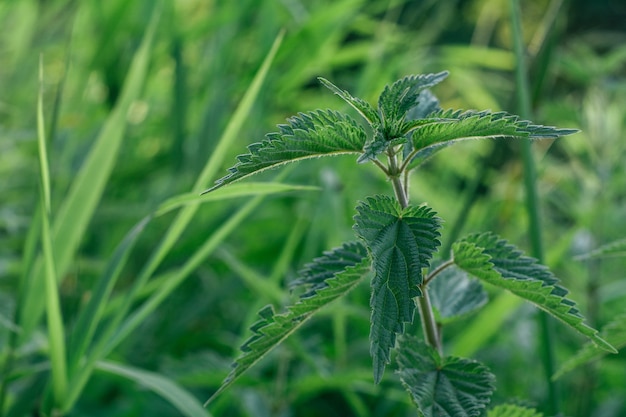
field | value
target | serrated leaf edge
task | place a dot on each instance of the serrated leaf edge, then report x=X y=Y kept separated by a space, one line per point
x=296 y=315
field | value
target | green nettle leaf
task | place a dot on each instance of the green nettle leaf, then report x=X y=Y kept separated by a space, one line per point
x=363 y=107
x=447 y=386
x=314 y=275
x=344 y=272
x=459 y=125
x=403 y=95
x=513 y=410
x=308 y=135
x=455 y=295
x=493 y=260
x=614 y=332
x=401 y=242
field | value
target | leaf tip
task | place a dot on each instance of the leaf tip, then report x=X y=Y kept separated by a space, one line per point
x=213 y=188
x=604 y=345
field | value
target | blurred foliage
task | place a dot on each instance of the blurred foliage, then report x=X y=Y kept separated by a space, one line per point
x=203 y=60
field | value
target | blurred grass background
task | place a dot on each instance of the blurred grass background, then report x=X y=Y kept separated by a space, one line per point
x=202 y=60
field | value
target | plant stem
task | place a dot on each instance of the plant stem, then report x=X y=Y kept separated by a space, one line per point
x=431 y=332
x=429 y=326
x=438 y=270
x=532 y=206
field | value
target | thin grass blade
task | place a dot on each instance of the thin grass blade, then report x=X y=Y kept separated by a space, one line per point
x=234 y=191
x=90 y=317
x=166 y=388
x=213 y=164
x=56 y=331
x=76 y=210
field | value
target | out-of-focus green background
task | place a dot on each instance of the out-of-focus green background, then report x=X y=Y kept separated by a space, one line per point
x=200 y=64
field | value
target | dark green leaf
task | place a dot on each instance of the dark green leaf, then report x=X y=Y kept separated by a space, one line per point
x=362 y=106
x=443 y=386
x=454 y=295
x=493 y=260
x=512 y=410
x=402 y=242
x=462 y=125
x=314 y=275
x=614 y=333
x=403 y=95
x=308 y=135
x=344 y=273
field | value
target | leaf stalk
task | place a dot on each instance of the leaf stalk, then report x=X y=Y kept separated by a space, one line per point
x=437 y=271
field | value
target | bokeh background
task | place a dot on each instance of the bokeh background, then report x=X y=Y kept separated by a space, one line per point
x=202 y=61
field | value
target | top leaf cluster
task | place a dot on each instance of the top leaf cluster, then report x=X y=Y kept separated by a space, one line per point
x=408 y=119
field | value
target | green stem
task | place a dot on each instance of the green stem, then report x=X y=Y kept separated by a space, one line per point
x=532 y=205
x=429 y=326
x=438 y=270
x=431 y=331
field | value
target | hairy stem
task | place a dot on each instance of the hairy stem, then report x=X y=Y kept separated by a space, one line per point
x=429 y=326
x=431 y=331
x=381 y=166
x=438 y=270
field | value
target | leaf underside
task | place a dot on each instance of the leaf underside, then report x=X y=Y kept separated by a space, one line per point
x=443 y=386
x=454 y=295
x=307 y=135
x=493 y=260
x=401 y=242
x=343 y=273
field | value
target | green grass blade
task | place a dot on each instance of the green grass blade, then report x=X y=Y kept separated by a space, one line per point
x=258 y=284
x=214 y=163
x=121 y=326
x=78 y=207
x=179 y=276
x=56 y=331
x=41 y=144
x=234 y=191
x=31 y=246
x=169 y=390
x=89 y=318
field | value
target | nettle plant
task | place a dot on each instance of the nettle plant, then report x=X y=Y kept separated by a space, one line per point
x=397 y=242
